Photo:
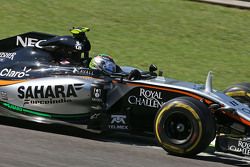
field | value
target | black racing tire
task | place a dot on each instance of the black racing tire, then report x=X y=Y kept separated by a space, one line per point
x=240 y=92
x=184 y=126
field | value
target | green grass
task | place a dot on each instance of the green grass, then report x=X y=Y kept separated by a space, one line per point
x=185 y=39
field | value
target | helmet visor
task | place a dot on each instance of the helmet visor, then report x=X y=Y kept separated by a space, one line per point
x=109 y=67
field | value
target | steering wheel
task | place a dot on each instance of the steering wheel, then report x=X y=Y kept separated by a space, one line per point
x=134 y=75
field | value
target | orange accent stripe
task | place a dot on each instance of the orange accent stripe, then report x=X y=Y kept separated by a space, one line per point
x=10 y=82
x=208 y=102
x=172 y=90
x=238 y=118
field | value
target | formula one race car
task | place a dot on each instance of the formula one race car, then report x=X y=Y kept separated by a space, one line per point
x=240 y=143
x=43 y=79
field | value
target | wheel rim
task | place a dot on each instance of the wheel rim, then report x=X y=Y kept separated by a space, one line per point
x=178 y=128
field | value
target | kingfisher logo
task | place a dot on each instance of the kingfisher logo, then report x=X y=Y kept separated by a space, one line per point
x=48 y=94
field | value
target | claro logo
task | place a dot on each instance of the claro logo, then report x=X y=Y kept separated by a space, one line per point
x=6 y=72
x=27 y=41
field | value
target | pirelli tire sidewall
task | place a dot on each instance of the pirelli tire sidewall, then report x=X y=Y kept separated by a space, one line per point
x=200 y=121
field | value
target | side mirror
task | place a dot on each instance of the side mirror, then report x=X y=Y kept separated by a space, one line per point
x=160 y=73
x=152 y=68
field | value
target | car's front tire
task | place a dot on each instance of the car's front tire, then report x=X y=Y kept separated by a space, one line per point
x=184 y=126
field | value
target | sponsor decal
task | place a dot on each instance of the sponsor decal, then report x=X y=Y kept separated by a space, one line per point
x=37 y=113
x=95 y=116
x=118 y=119
x=75 y=70
x=243 y=146
x=48 y=94
x=246 y=110
x=97 y=95
x=87 y=72
x=84 y=71
x=148 y=98
x=234 y=149
x=4 y=95
x=233 y=103
x=118 y=122
x=7 y=55
x=24 y=42
x=38 y=44
x=78 y=45
x=7 y=72
x=13 y=107
x=49 y=101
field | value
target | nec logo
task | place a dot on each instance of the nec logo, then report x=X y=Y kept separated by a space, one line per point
x=27 y=41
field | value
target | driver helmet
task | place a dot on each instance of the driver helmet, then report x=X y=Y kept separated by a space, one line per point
x=79 y=31
x=104 y=63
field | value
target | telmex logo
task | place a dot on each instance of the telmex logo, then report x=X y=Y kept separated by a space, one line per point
x=27 y=41
x=118 y=119
x=118 y=122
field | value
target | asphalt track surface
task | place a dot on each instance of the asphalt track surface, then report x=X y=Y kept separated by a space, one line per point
x=25 y=144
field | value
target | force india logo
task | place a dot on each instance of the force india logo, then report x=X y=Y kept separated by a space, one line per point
x=148 y=98
x=48 y=94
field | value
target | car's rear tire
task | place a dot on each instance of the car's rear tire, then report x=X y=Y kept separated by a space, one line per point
x=240 y=92
x=184 y=126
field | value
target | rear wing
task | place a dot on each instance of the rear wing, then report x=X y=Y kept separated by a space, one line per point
x=23 y=40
